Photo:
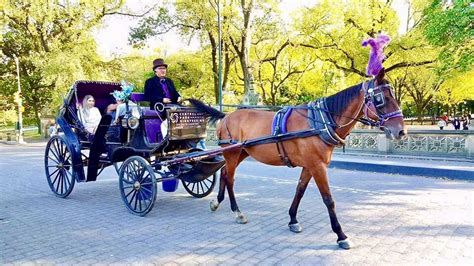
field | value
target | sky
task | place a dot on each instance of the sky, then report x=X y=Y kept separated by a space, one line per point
x=112 y=37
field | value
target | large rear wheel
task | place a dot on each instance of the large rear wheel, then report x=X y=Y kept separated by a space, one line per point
x=200 y=189
x=137 y=185
x=58 y=167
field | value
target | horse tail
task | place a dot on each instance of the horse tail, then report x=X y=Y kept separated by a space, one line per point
x=213 y=114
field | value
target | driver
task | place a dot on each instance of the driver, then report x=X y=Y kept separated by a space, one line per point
x=159 y=88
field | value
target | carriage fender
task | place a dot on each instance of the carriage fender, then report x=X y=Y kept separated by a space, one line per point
x=74 y=146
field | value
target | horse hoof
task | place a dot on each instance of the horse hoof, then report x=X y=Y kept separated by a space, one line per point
x=345 y=244
x=241 y=219
x=295 y=228
x=214 y=205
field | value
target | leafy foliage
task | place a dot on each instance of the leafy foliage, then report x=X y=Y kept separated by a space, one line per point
x=451 y=27
x=52 y=41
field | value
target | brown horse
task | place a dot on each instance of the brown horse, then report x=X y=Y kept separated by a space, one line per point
x=371 y=102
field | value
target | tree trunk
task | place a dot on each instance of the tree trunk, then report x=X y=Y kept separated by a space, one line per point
x=37 y=114
x=245 y=46
x=215 y=65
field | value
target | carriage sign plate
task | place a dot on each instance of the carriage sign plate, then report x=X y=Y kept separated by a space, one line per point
x=186 y=123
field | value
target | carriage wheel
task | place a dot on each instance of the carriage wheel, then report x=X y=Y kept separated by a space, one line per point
x=137 y=185
x=200 y=189
x=118 y=167
x=58 y=167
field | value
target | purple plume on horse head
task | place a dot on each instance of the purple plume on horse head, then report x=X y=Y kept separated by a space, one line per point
x=376 y=53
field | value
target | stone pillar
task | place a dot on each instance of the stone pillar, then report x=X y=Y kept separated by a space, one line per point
x=251 y=97
x=383 y=144
x=470 y=144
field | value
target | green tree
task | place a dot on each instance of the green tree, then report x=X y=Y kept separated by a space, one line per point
x=53 y=43
x=192 y=18
x=334 y=30
x=450 y=26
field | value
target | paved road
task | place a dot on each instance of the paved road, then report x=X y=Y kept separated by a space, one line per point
x=393 y=219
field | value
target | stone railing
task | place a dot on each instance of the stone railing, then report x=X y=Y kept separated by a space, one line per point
x=450 y=143
x=420 y=142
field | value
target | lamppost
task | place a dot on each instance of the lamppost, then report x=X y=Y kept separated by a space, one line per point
x=20 y=104
x=219 y=38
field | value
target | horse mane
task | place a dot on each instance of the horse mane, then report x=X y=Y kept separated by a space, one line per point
x=208 y=111
x=339 y=101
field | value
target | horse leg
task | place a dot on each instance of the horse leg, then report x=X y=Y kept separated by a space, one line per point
x=239 y=216
x=231 y=163
x=320 y=176
x=300 y=189
x=220 y=196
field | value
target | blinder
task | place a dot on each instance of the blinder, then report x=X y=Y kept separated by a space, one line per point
x=375 y=96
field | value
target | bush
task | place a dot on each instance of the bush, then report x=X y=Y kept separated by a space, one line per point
x=8 y=118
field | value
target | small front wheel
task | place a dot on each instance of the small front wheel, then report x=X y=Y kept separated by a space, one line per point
x=137 y=185
x=58 y=167
x=200 y=189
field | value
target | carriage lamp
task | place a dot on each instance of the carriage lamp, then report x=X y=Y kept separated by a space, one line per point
x=130 y=122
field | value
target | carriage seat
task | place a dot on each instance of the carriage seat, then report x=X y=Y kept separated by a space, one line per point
x=151 y=118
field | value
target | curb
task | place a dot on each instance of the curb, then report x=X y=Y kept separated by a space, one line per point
x=437 y=172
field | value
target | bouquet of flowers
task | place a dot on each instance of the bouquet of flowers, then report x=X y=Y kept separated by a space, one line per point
x=124 y=94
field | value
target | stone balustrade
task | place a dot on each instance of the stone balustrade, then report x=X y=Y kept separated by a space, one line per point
x=449 y=143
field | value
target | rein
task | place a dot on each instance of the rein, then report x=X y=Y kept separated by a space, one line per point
x=371 y=98
x=365 y=106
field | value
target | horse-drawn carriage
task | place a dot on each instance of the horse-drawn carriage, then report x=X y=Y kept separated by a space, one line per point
x=141 y=154
x=303 y=136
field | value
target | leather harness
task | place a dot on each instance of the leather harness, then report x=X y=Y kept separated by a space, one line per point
x=319 y=120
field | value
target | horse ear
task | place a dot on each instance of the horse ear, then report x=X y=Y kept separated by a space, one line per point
x=380 y=76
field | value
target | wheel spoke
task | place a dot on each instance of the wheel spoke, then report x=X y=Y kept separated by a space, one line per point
x=133 y=196
x=140 y=202
x=59 y=180
x=55 y=171
x=55 y=151
x=130 y=175
x=199 y=185
x=54 y=160
x=144 y=188
x=203 y=183
x=137 y=199
x=56 y=178
x=68 y=176
x=128 y=194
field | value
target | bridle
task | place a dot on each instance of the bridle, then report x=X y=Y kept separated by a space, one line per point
x=374 y=97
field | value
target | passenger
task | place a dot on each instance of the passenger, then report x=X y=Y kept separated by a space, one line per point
x=89 y=114
x=160 y=89
x=119 y=109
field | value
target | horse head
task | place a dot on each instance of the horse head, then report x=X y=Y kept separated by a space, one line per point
x=381 y=108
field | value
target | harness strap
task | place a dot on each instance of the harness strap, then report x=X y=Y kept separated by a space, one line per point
x=283 y=154
x=227 y=141
x=320 y=119
x=279 y=124
x=230 y=140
